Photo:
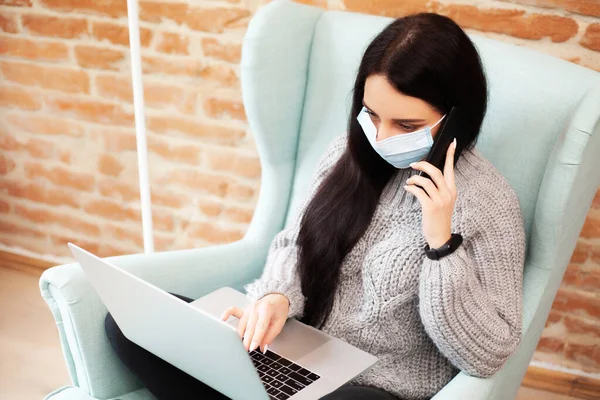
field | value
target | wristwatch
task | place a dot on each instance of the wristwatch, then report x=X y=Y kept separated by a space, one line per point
x=447 y=248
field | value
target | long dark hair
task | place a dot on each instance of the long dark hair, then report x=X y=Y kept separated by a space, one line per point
x=426 y=56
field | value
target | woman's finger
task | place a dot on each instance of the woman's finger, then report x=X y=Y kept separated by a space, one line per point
x=449 y=165
x=235 y=311
x=274 y=330
x=434 y=173
x=419 y=194
x=262 y=326
x=250 y=327
x=427 y=185
x=241 y=328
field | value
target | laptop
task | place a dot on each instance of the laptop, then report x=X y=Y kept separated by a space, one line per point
x=302 y=363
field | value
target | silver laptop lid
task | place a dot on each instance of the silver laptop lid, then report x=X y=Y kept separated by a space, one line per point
x=186 y=337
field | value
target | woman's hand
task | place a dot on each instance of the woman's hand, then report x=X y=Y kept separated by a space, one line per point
x=437 y=203
x=260 y=322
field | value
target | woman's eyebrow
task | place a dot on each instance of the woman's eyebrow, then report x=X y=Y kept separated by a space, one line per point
x=398 y=121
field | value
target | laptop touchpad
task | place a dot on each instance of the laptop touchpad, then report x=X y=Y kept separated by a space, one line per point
x=297 y=340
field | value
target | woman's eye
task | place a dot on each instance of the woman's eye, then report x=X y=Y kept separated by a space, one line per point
x=372 y=114
x=407 y=128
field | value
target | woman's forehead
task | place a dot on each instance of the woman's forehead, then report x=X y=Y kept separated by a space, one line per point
x=388 y=103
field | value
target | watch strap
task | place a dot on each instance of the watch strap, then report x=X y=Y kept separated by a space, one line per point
x=446 y=249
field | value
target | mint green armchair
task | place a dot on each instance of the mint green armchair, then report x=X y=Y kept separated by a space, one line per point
x=542 y=131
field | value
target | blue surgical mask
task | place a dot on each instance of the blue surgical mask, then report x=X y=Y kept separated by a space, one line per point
x=400 y=150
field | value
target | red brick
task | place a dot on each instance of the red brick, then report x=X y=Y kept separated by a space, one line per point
x=98 y=57
x=213 y=233
x=6 y=164
x=52 y=217
x=119 y=34
x=585 y=7
x=89 y=110
x=110 y=165
x=17 y=235
x=15 y=97
x=237 y=214
x=596 y=202
x=40 y=149
x=210 y=208
x=179 y=66
x=114 y=87
x=173 y=44
x=591 y=226
x=183 y=154
x=113 y=210
x=215 y=19
x=4 y=207
x=318 y=3
x=576 y=325
x=577 y=303
x=110 y=8
x=60 y=176
x=588 y=355
x=221 y=74
x=231 y=161
x=239 y=191
x=196 y=180
x=201 y=19
x=162 y=221
x=156 y=95
x=511 y=22
x=118 y=140
x=583 y=278
x=550 y=345
x=390 y=8
x=226 y=51
x=45 y=25
x=47 y=77
x=194 y=129
x=59 y=243
x=591 y=37
x=162 y=197
x=16 y=3
x=8 y=142
x=46 y=125
x=553 y=318
x=19 y=230
x=119 y=190
x=123 y=235
x=581 y=252
x=224 y=108
x=109 y=250
x=156 y=11
x=39 y=193
x=8 y=22
x=34 y=50
x=160 y=95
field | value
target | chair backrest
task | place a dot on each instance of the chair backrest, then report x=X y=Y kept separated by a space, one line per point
x=541 y=131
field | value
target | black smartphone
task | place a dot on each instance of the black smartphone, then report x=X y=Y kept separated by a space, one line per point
x=445 y=135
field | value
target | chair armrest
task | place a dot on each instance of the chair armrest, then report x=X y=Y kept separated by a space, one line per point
x=464 y=386
x=80 y=314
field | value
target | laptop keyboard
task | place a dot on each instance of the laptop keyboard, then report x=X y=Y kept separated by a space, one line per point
x=281 y=377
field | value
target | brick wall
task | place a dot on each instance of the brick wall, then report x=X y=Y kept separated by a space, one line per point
x=68 y=160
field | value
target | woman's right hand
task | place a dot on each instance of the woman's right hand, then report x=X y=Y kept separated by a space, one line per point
x=260 y=322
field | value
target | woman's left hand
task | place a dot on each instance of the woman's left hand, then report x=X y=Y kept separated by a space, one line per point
x=437 y=203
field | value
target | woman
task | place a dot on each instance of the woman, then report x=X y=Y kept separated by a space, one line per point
x=355 y=264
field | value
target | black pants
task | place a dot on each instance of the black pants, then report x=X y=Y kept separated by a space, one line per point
x=167 y=382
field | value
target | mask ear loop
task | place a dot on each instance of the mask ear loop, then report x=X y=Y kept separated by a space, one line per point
x=437 y=123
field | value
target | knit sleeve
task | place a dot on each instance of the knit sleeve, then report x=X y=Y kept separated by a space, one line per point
x=471 y=301
x=280 y=274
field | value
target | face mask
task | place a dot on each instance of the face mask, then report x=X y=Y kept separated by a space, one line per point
x=399 y=150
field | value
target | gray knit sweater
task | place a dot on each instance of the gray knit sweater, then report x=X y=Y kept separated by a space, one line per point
x=425 y=320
